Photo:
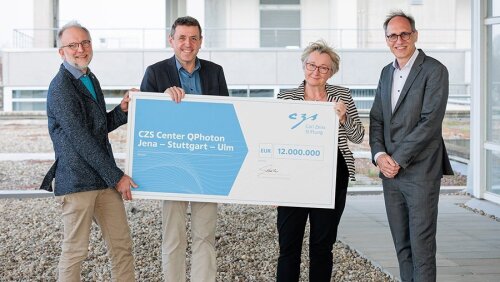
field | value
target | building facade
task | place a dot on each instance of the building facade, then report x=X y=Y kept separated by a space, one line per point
x=258 y=42
x=484 y=166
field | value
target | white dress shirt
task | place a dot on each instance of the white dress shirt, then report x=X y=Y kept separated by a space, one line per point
x=399 y=78
x=398 y=81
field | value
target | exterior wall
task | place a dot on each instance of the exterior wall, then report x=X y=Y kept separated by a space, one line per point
x=231 y=31
x=215 y=22
x=429 y=16
x=463 y=21
x=125 y=68
x=233 y=23
x=243 y=15
x=345 y=24
x=236 y=23
x=485 y=146
x=29 y=68
x=335 y=15
x=315 y=16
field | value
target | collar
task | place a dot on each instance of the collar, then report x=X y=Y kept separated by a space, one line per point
x=197 y=65
x=410 y=61
x=77 y=73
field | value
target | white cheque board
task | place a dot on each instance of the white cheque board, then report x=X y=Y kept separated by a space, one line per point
x=233 y=150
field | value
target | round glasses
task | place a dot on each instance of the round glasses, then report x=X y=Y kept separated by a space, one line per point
x=404 y=36
x=75 y=45
x=321 y=69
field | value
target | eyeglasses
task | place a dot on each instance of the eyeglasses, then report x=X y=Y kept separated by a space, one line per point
x=313 y=67
x=404 y=36
x=75 y=45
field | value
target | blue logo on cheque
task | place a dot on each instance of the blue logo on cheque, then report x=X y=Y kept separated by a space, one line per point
x=301 y=118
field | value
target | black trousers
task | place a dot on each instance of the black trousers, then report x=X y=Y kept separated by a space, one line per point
x=322 y=235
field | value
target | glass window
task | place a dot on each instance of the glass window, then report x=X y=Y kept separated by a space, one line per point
x=279 y=2
x=110 y=106
x=114 y=93
x=363 y=98
x=285 y=89
x=29 y=106
x=493 y=85
x=493 y=101
x=238 y=92
x=363 y=92
x=32 y=97
x=493 y=175
x=280 y=28
x=493 y=8
x=251 y=92
x=29 y=93
x=262 y=93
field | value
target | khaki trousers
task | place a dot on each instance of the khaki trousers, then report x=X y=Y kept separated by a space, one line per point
x=174 y=241
x=106 y=208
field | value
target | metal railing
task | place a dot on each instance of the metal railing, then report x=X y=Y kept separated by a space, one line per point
x=150 y=38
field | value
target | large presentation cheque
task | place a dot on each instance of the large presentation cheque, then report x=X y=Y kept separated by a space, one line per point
x=233 y=150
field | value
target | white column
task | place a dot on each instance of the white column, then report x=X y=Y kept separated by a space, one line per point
x=476 y=180
x=7 y=99
x=345 y=17
x=43 y=22
x=196 y=9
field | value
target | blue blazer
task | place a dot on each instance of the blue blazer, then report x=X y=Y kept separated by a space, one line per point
x=79 y=127
x=412 y=134
x=164 y=74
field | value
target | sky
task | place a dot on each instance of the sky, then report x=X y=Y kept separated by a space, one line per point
x=102 y=14
x=14 y=14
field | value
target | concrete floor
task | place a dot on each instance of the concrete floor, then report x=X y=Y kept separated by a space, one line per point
x=468 y=243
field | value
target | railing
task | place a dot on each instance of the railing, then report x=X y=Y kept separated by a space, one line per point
x=23 y=38
x=149 y=38
x=363 y=98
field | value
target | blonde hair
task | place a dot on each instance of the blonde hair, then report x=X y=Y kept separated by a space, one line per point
x=322 y=47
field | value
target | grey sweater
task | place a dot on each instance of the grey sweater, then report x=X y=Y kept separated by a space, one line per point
x=79 y=127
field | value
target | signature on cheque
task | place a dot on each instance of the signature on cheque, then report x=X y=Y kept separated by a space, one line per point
x=268 y=170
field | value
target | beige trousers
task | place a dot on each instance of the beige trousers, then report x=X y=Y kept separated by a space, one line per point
x=106 y=208
x=174 y=241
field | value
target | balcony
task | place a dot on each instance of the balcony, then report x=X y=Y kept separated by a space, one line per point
x=247 y=38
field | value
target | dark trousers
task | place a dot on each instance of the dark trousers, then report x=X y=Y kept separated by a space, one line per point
x=412 y=210
x=322 y=236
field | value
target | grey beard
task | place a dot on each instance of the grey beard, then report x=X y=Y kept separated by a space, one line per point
x=82 y=68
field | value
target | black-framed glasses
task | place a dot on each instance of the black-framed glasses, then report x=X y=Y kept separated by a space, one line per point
x=321 y=69
x=404 y=36
x=74 y=46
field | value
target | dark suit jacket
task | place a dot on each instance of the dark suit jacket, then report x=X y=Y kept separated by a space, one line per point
x=79 y=127
x=164 y=74
x=412 y=134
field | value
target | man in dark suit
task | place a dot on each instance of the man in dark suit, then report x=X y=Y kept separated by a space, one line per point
x=185 y=73
x=407 y=146
x=88 y=184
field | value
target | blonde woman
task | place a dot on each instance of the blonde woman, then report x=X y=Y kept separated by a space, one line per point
x=320 y=63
